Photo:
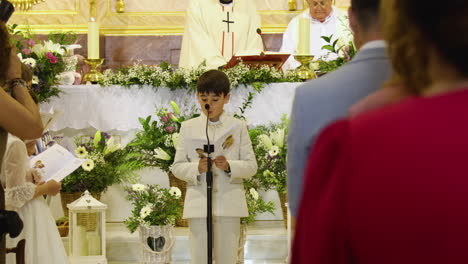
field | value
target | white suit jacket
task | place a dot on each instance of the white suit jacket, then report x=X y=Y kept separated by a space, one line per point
x=228 y=191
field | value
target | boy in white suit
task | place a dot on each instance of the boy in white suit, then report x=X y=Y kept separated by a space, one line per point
x=233 y=161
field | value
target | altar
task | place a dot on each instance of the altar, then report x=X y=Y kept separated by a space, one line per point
x=115 y=110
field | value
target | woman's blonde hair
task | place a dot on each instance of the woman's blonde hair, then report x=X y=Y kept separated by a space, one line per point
x=416 y=28
x=406 y=48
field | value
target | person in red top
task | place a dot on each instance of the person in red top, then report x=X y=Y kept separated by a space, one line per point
x=390 y=186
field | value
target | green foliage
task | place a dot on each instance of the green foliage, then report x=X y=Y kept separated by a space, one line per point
x=110 y=165
x=153 y=205
x=344 y=54
x=269 y=144
x=256 y=205
x=63 y=38
x=156 y=142
x=247 y=104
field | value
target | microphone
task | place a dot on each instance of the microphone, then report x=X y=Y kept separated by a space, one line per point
x=225 y=1
x=259 y=32
x=207 y=107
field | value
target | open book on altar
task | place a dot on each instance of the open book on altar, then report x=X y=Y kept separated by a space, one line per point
x=222 y=145
x=270 y=58
x=55 y=163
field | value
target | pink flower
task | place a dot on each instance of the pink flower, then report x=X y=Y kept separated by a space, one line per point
x=169 y=115
x=51 y=57
x=164 y=119
x=31 y=43
x=26 y=51
x=170 y=129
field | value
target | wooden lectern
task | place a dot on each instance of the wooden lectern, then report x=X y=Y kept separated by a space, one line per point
x=272 y=59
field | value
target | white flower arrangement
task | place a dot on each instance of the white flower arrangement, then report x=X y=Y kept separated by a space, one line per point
x=152 y=205
x=165 y=75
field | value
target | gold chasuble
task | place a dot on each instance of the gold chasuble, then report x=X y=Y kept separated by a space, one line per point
x=215 y=32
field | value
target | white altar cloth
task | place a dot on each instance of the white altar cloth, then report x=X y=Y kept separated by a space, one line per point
x=118 y=108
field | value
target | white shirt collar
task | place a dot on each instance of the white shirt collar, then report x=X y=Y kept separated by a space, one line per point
x=374 y=44
x=219 y=122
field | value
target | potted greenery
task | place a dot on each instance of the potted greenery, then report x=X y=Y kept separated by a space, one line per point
x=155 y=210
x=106 y=163
x=157 y=141
x=270 y=149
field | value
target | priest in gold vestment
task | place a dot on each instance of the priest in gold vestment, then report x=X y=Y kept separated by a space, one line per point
x=216 y=30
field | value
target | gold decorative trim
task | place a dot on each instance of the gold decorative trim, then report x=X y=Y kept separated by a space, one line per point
x=129 y=31
x=45 y=29
x=111 y=13
x=51 y=12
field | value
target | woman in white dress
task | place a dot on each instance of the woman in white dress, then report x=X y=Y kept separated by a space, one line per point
x=43 y=242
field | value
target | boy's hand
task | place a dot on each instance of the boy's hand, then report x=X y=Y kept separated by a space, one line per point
x=203 y=165
x=222 y=163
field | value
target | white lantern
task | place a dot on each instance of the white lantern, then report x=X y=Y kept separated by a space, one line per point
x=87 y=236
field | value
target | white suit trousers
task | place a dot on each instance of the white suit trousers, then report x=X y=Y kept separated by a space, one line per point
x=226 y=240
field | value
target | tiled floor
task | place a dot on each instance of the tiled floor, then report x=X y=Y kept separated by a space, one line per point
x=266 y=243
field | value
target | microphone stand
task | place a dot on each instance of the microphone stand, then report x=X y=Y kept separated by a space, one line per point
x=209 y=190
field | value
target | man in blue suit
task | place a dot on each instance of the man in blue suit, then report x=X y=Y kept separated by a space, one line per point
x=321 y=101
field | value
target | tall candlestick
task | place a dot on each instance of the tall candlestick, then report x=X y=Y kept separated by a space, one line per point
x=93 y=39
x=303 y=47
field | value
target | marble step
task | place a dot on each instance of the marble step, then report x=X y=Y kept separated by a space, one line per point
x=266 y=242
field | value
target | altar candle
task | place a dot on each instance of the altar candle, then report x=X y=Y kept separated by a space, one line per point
x=93 y=39
x=94 y=244
x=80 y=242
x=303 y=47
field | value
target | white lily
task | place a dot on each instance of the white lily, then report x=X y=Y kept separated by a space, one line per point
x=35 y=80
x=175 y=107
x=254 y=193
x=175 y=139
x=266 y=141
x=49 y=45
x=175 y=191
x=97 y=138
x=39 y=50
x=161 y=154
x=278 y=137
x=111 y=146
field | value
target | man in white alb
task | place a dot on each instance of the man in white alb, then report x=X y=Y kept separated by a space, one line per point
x=325 y=20
x=216 y=30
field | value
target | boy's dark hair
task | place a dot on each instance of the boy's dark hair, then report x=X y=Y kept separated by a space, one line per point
x=213 y=81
